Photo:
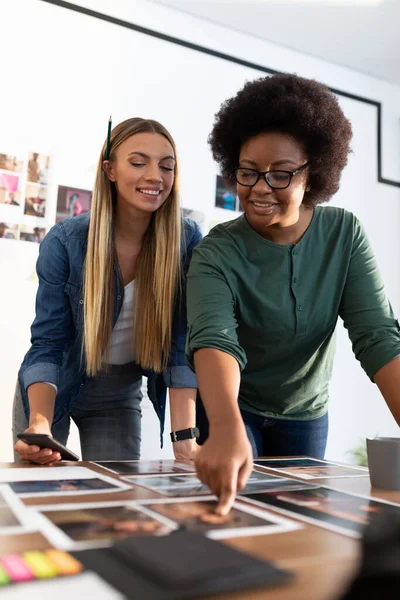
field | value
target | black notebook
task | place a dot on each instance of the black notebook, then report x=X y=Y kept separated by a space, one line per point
x=179 y=566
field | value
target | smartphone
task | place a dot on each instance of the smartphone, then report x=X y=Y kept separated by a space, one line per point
x=44 y=440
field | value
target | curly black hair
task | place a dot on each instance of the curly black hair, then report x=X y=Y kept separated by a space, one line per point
x=302 y=108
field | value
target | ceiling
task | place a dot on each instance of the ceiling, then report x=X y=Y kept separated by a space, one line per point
x=363 y=35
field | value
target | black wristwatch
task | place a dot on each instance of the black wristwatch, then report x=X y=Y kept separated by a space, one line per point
x=185 y=434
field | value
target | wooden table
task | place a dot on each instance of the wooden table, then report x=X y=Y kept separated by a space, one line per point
x=323 y=562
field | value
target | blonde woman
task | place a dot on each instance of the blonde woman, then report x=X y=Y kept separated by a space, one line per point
x=110 y=308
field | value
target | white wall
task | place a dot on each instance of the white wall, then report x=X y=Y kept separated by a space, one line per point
x=65 y=73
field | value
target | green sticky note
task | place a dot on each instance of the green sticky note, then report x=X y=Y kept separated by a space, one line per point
x=4 y=578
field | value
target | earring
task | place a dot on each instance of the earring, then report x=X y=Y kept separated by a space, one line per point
x=308 y=188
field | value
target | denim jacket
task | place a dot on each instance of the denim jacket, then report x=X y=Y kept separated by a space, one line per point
x=55 y=355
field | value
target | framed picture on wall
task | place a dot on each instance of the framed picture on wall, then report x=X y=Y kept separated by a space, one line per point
x=226 y=197
x=72 y=202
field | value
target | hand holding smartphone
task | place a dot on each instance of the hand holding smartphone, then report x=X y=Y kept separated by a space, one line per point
x=46 y=441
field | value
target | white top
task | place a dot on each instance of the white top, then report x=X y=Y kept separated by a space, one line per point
x=121 y=349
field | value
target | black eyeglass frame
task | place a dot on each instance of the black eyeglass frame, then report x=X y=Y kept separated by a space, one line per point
x=265 y=175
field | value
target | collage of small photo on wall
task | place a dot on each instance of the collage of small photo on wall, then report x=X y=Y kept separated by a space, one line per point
x=23 y=196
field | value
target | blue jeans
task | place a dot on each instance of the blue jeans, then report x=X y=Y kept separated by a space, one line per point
x=281 y=437
x=107 y=414
x=276 y=437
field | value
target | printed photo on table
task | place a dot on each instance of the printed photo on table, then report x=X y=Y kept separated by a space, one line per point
x=190 y=485
x=311 y=468
x=9 y=231
x=72 y=202
x=226 y=197
x=32 y=234
x=9 y=162
x=198 y=515
x=15 y=517
x=146 y=467
x=35 y=200
x=38 y=167
x=82 y=486
x=344 y=513
x=95 y=525
x=60 y=481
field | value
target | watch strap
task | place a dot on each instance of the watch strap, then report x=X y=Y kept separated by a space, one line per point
x=185 y=434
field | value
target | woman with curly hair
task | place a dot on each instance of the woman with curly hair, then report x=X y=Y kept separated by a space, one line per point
x=265 y=291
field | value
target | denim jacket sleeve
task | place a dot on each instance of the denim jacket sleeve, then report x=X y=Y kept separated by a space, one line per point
x=53 y=327
x=178 y=374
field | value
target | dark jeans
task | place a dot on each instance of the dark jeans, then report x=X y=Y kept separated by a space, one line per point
x=277 y=437
x=107 y=414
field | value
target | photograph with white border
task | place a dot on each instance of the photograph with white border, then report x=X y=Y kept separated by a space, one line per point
x=197 y=515
x=59 y=481
x=15 y=517
x=338 y=511
x=98 y=524
x=146 y=467
x=311 y=468
x=190 y=485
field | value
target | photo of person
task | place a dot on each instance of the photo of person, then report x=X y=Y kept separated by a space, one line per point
x=196 y=215
x=8 y=232
x=226 y=197
x=198 y=515
x=38 y=165
x=8 y=162
x=72 y=202
x=32 y=234
x=35 y=200
x=307 y=468
x=52 y=486
x=146 y=467
x=345 y=513
x=11 y=198
x=190 y=485
x=99 y=525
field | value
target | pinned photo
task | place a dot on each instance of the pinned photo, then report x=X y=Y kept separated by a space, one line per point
x=9 y=162
x=35 y=200
x=10 y=198
x=32 y=234
x=8 y=182
x=72 y=202
x=82 y=526
x=226 y=196
x=198 y=515
x=310 y=468
x=38 y=167
x=9 y=231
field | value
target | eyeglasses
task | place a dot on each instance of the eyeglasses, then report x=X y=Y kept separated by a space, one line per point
x=277 y=180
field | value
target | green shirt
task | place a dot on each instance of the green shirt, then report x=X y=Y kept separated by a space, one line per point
x=274 y=308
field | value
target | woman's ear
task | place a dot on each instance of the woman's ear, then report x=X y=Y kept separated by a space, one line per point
x=108 y=170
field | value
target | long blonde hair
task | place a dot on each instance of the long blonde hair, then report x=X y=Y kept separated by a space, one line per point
x=157 y=267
